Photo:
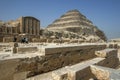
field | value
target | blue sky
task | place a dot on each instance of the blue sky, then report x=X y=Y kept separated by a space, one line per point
x=103 y=13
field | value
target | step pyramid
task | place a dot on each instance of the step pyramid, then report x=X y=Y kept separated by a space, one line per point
x=74 y=21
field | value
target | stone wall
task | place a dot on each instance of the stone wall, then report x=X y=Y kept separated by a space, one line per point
x=8 y=39
x=111 y=56
x=54 y=58
x=23 y=50
x=104 y=73
x=39 y=40
x=8 y=69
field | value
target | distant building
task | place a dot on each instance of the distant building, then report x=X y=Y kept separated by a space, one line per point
x=28 y=26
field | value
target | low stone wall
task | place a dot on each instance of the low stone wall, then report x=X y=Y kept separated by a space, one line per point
x=68 y=49
x=23 y=50
x=107 y=53
x=39 y=40
x=54 y=58
x=8 y=39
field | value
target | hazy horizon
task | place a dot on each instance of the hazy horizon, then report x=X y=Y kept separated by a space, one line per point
x=103 y=14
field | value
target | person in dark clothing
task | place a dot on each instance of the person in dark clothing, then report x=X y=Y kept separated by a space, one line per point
x=22 y=40
x=26 y=40
x=15 y=39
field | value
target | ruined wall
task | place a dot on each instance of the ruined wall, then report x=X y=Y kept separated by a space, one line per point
x=54 y=58
x=23 y=50
x=83 y=71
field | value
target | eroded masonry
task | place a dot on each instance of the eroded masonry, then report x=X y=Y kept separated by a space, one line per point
x=36 y=61
x=71 y=48
x=24 y=26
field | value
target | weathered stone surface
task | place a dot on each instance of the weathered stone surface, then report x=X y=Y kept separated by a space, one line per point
x=81 y=71
x=107 y=53
x=111 y=62
x=8 y=68
x=79 y=48
x=60 y=74
x=23 y=50
x=57 y=57
x=100 y=73
x=104 y=73
x=45 y=76
x=20 y=76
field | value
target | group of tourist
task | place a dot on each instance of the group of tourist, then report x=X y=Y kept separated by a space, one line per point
x=23 y=40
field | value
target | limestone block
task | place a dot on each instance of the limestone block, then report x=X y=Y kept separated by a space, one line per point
x=111 y=62
x=44 y=76
x=104 y=73
x=93 y=47
x=60 y=74
x=107 y=53
x=100 y=74
x=20 y=76
x=8 y=68
x=26 y=49
x=80 y=71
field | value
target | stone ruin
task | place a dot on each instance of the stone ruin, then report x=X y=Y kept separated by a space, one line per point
x=72 y=27
x=82 y=53
x=36 y=61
